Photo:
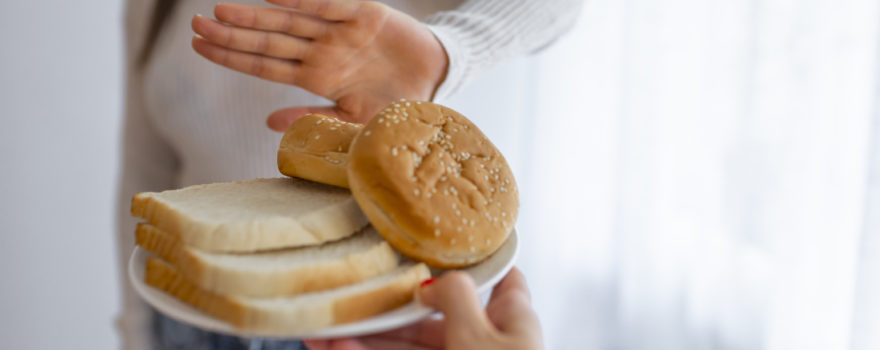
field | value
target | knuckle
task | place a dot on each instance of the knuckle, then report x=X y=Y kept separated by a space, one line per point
x=258 y=67
x=263 y=44
x=287 y=22
x=322 y=8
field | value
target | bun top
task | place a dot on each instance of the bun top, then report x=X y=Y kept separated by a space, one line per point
x=316 y=133
x=315 y=147
x=447 y=195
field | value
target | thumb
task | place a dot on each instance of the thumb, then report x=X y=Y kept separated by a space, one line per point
x=281 y=119
x=455 y=295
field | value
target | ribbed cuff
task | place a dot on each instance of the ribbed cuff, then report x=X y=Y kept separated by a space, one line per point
x=455 y=72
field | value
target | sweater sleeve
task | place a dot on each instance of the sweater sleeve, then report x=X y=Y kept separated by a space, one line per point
x=148 y=163
x=480 y=33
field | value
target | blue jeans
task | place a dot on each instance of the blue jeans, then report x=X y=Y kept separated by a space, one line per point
x=173 y=335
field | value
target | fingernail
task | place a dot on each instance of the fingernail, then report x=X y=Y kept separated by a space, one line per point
x=427 y=282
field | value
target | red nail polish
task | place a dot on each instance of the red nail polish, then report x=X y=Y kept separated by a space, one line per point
x=427 y=282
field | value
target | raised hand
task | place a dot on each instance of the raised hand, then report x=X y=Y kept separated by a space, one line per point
x=360 y=54
x=507 y=323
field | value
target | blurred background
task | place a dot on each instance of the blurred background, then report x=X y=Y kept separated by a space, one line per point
x=697 y=175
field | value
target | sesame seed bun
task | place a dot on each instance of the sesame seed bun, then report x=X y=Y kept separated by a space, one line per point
x=433 y=185
x=315 y=147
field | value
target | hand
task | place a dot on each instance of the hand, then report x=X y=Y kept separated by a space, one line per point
x=362 y=55
x=508 y=322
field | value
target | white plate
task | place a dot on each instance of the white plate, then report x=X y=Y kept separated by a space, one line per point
x=485 y=274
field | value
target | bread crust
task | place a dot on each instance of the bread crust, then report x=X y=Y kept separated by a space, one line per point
x=339 y=218
x=268 y=282
x=433 y=184
x=315 y=147
x=277 y=317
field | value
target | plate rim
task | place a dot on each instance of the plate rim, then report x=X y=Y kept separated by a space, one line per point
x=396 y=318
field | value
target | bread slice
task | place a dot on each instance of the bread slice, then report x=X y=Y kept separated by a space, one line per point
x=275 y=273
x=247 y=216
x=294 y=314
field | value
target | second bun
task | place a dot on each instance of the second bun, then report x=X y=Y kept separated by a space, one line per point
x=315 y=147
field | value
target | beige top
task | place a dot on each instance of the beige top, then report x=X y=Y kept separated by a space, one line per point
x=189 y=121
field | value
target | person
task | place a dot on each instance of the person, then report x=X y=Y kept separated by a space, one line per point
x=189 y=122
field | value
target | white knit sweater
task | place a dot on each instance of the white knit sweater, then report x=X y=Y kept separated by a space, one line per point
x=189 y=121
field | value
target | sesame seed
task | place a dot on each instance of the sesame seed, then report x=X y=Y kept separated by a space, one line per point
x=443 y=178
x=454 y=206
x=414 y=179
x=381 y=120
x=458 y=228
x=488 y=241
x=473 y=249
x=319 y=122
x=436 y=219
x=407 y=104
x=416 y=191
x=470 y=238
x=367 y=133
x=464 y=221
x=436 y=232
x=394 y=151
x=317 y=137
x=486 y=177
x=503 y=213
x=452 y=241
x=332 y=128
x=458 y=212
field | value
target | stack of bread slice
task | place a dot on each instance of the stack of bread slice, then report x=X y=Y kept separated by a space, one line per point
x=271 y=255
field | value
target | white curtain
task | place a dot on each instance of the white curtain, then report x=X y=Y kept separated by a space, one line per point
x=699 y=174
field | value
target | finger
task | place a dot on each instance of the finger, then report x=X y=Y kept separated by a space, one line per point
x=250 y=40
x=514 y=280
x=455 y=295
x=269 y=68
x=333 y=10
x=428 y=333
x=272 y=19
x=510 y=308
x=281 y=119
x=511 y=312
